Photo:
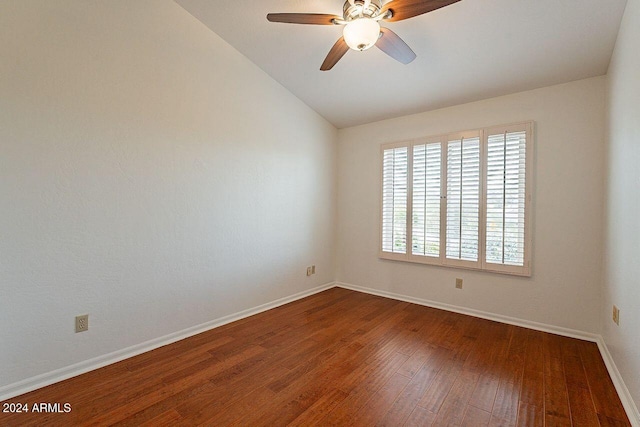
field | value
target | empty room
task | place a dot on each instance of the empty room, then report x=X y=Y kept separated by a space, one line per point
x=316 y=213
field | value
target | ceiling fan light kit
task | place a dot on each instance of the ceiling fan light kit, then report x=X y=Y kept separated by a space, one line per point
x=362 y=29
x=361 y=34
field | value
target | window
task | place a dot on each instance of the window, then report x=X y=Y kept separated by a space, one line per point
x=460 y=200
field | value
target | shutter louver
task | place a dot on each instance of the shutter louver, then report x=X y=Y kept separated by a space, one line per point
x=394 y=200
x=506 y=198
x=463 y=199
x=425 y=230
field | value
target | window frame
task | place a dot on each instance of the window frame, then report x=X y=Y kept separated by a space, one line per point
x=442 y=260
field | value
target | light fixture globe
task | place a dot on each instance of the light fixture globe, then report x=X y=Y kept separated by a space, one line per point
x=361 y=34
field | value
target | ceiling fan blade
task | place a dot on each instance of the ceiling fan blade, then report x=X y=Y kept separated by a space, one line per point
x=335 y=54
x=404 y=9
x=391 y=44
x=303 y=18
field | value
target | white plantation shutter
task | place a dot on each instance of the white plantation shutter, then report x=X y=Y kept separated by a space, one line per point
x=463 y=198
x=460 y=200
x=506 y=198
x=395 y=165
x=425 y=230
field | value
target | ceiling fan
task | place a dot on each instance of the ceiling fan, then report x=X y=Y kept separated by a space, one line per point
x=362 y=30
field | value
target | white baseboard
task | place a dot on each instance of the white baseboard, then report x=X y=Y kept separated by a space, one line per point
x=30 y=384
x=477 y=313
x=623 y=392
x=625 y=396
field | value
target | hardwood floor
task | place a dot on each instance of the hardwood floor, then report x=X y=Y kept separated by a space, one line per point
x=346 y=358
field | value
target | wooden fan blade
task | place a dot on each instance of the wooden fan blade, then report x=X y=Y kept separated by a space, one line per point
x=335 y=54
x=391 y=44
x=303 y=18
x=404 y=9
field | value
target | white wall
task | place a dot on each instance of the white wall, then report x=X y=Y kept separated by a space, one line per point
x=622 y=249
x=136 y=148
x=150 y=176
x=564 y=289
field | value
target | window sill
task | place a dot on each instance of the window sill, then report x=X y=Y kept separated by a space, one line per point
x=457 y=264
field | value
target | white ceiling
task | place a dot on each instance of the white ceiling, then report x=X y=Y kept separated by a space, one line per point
x=471 y=50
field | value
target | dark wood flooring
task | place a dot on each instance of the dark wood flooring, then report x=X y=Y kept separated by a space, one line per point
x=346 y=358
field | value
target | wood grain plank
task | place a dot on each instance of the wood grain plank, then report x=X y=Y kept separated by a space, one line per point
x=416 y=361
x=420 y=417
x=475 y=417
x=534 y=361
x=436 y=394
x=557 y=421
x=316 y=412
x=363 y=386
x=574 y=371
x=554 y=368
x=217 y=399
x=603 y=392
x=378 y=405
x=485 y=392
x=505 y=407
x=556 y=403
x=530 y=415
x=410 y=396
x=170 y=417
x=583 y=412
x=532 y=390
x=453 y=408
x=606 y=421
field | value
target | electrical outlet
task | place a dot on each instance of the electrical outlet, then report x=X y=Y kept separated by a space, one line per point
x=458 y=283
x=311 y=270
x=616 y=315
x=82 y=323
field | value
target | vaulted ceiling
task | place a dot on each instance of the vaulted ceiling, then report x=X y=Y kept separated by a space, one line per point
x=471 y=50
